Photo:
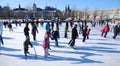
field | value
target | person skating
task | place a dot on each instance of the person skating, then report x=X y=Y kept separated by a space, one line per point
x=65 y=32
x=88 y=32
x=52 y=24
x=46 y=43
x=74 y=35
x=1 y=40
x=80 y=28
x=26 y=31
x=56 y=36
x=26 y=46
x=10 y=27
x=116 y=31
x=84 y=30
x=47 y=27
x=34 y=30
x=105 y=30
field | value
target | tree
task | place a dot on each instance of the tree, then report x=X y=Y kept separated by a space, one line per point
x=81 y=14
x=7 y=12
x=101 y=14
x=95 y=14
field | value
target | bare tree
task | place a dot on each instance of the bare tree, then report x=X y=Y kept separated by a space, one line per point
x=95 y=14
x=101 y=14
x=81 y=14
x=86 y=14
x=6 y=12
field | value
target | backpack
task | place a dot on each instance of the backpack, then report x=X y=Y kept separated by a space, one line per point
x=52 y=35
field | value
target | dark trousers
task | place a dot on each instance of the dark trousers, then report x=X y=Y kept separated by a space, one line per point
x=72 y=42
x=1 y=40
x=104 y=34
x=84 y=38
x=87 y=36
x=34 y=37
x=65 y=35
x=114 y=37
x=26 y=51
x=56 y=42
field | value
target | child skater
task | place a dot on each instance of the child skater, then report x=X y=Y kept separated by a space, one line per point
x=88 y=32
x=46 y=43
x=26 y=46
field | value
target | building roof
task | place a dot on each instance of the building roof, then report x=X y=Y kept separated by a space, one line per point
x=19 y=9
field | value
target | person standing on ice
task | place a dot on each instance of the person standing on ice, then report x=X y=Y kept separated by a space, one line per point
x=88 y=32
x=46 y=42
x=47 y=27
x=56 y=36
x=34 y=30
x=65 y=32
x=10 y=27
x=84 y=30
x=26 y=31
x=116 y=30
x=26 y=46
x=1 y=30
x=52 y=24
x=80 y=27
x=1 y=40
x=74 y=35
x=105 y=30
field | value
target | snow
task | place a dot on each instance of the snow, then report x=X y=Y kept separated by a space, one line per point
x=96 y=51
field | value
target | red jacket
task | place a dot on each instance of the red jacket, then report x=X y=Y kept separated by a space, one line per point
x=88 y=32
x=105 y=29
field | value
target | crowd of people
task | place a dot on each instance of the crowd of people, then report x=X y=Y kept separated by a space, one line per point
x=79 y=28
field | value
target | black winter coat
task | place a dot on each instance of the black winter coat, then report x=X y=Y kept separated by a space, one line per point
x=56 y=35
x=26 y=31
x=74 y=34
x=84 y=30
x=117 y=29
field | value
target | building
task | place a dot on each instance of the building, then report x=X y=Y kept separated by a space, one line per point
x=19 y=9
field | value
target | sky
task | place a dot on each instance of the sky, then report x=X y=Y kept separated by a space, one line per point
x=60 y=4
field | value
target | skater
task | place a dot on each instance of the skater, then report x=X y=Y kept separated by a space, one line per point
x=105 y=30
x=84 y=30
x=52 y=24
x=74 y=35
x=46 y=43
x=56 y=36
x=116 y=31
x=34 y=30
x=47 y=27
x=26 y=31
x=1 y=40
x=41 y=23
x=65 y=32
x=5 y=23
x=88 y=32
x=57 y=23
x=67 y=25
x=80 y=28
x=71 y=23
x=26 y=46
x=10 y=27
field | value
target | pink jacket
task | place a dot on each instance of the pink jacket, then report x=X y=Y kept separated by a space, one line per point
x=46 y=41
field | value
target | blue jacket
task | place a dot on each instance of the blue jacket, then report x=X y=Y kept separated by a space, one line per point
x=47 y=26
